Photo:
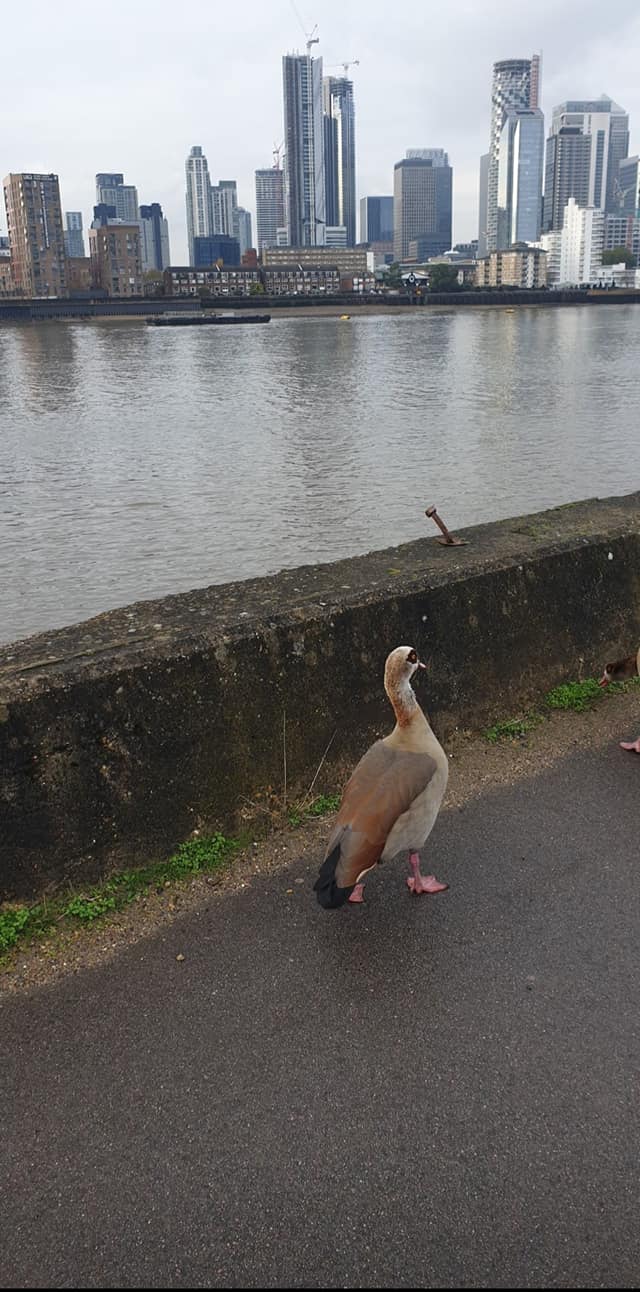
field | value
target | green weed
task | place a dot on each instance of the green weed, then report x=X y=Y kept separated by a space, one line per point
x=320 y=806
x=575 y=695
x=196 y=856
x=512 y=728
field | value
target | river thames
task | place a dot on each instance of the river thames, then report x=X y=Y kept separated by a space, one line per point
x=138 y=461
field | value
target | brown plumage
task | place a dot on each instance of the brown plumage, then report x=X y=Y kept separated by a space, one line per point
x=620 y=671
x=393 y=797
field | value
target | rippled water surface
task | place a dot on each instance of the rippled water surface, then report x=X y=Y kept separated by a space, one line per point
x=137 y=461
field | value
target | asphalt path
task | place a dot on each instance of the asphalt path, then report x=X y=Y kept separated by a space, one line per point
x=421 y=1092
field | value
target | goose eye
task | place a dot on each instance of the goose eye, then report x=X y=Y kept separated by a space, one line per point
x=412 y=658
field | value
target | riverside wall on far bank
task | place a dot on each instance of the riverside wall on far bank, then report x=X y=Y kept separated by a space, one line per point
x=121 y=735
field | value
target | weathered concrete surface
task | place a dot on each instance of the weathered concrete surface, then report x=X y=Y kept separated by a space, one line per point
x=121 y=735
x=433 y=1093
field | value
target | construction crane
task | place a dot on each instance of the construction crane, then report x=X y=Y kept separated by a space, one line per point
x=277 y=149
x=352 y=62
x=312 y=39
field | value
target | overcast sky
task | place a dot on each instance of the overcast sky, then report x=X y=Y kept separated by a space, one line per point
x=131 y=85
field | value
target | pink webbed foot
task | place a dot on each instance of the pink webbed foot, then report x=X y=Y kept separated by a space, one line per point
x=632 y=745
x=357 y=896
x=418 y=883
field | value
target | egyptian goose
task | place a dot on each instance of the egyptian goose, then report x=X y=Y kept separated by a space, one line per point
x=618 y=672
x=393 y=797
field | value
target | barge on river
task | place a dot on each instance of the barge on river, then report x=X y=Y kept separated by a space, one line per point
x=197 y=320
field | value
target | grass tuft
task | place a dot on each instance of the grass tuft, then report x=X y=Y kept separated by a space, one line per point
x=21 y=924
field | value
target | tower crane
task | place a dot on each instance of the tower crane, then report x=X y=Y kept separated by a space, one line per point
x=352 y=62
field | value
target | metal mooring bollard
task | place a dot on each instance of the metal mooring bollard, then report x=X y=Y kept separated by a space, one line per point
x=449 y=540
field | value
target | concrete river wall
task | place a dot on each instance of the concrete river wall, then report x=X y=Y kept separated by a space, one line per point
x=121 y=735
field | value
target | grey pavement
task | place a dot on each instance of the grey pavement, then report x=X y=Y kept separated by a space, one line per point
x=423 y=1092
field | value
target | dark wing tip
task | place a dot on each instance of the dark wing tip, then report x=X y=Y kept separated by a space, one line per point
x=329 y=895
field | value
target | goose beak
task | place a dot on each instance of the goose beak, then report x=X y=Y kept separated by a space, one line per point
x=421 y=665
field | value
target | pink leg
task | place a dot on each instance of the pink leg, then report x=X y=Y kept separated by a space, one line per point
x=418 y=883
x=633 y=745
x=358 y=894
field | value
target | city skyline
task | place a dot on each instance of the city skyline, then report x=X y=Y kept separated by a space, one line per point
x=405 y=95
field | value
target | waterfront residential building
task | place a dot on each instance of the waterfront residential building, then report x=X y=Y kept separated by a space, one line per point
x=154 y=238
x=582 y=243
x=229 y=280
x=208 y=251
x=272 y=280
x=519 y=266
x=294 y=280
x=515 y=88
x=79 y=275
x=422 y=184
x=116 y=261
x=588 y=140
x=269 y=206
x=111 y=190
x=36 y=237
x=376 y=219
x=305 y=205
x=73 y=235
x=340 y=154
x=7 y=287
x=198 y=198
x=521 y=154
x=575 y=251
x=349 y=261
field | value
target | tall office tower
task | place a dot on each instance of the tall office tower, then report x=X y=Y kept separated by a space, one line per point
x=224 y=204
x=154 y=240
x=482 y=204
x=627 y=186
x=242 y=229
x=36 y=238
x=340 y=154
x=111 y=190
x=422 y=186
x=515 y=88
x=198 y=198
x=575 y=168
x=269 y=205
x=305 y=206
x=376 y=219
x=73 y=235
x=519 y=214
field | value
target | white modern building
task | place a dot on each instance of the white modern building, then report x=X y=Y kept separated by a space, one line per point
x=575 y=251
x=198 y=198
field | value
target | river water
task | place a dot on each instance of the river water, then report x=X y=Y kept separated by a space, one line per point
x=138 y=461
